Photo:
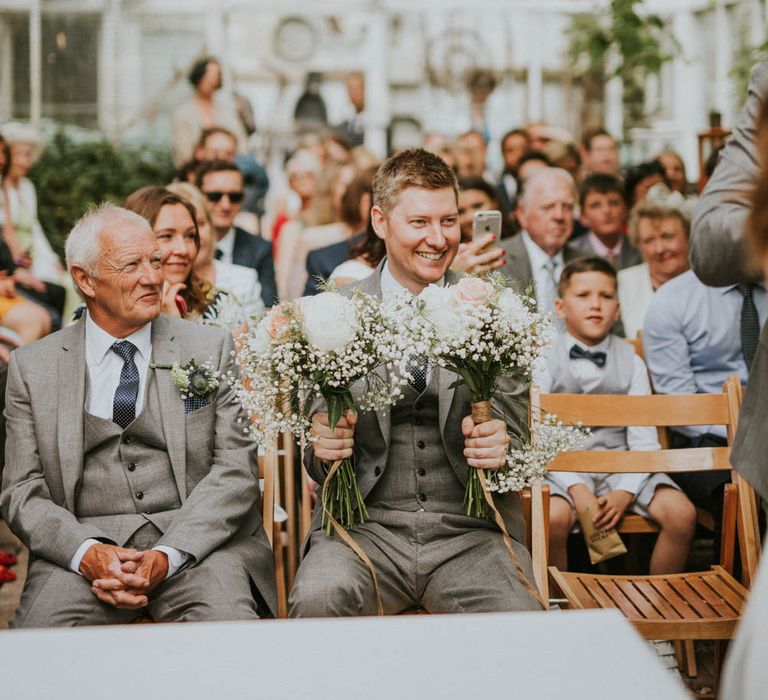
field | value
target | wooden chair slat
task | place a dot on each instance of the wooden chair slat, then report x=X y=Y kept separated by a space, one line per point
x=727 y=588
x=600 y=596
x=627 y=586
x=657 y=600
x=633 y=524
x=694 y=459
x=578 y=596
x=626 y=603
x=682 y=608
x=707 y=587
x=702 y=608
x=654 y=410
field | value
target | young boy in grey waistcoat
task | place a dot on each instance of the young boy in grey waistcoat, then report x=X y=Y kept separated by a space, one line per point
x=586 y=359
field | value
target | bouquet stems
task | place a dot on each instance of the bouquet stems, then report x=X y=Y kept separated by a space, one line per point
x=342 y=500
x=474 y=500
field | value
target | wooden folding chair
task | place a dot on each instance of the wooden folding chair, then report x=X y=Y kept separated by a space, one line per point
x=702 y=605
x=269 y=472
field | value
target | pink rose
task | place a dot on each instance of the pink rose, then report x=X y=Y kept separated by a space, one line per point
x=472 y=290
x=278 y=322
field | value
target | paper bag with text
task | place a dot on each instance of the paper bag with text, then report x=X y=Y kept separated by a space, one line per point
x=602 y=544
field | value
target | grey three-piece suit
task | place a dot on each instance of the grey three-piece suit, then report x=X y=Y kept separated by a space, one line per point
x=185 y=480
x=411 y=471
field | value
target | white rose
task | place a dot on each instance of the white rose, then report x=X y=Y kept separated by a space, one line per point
x=510 y=304
x=260 y=341
x=440 y=309
x=329 y=321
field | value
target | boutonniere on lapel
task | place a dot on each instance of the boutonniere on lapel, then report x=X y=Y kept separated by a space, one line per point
x=195 y=382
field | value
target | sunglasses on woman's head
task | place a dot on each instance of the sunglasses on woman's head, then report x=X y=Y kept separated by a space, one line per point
x=234 y=197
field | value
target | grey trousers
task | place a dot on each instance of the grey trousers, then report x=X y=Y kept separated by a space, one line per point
x=217 y=588
x=461 y=570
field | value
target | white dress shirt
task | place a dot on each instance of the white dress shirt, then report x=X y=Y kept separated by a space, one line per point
x=226 y=245
x=544 y=281
x=104 y=368
x=589 y=375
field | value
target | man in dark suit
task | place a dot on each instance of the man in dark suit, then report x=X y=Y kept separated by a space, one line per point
x=222 y=184
x=720 y=257
x=537 y=255
x=323 y=261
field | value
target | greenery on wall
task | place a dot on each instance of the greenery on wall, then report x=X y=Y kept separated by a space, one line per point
x=70 y=176
x=638 y=43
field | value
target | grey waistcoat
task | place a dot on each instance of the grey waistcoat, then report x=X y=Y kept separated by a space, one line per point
x=617 y=378
x=127 y=476
x=418 y=474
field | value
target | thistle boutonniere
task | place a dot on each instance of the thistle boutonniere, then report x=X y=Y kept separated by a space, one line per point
x=193 y=380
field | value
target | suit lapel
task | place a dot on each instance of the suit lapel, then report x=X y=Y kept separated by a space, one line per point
x=71 y=393
x=165 y=352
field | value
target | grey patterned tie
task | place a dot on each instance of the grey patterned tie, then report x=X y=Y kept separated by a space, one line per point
x=124 y=403
x=550 y=293
x=750 y=324
x=418 y=371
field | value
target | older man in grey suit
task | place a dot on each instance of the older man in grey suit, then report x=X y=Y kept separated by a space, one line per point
x=720 y=257
x=129 y=492
x=537 y=255
x=412 y=462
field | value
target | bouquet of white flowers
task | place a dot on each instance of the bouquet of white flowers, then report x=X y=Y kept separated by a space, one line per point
x=320 y=346
x=482 y=331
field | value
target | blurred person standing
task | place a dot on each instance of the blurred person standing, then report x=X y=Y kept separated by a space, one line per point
x=204 y=110
x=353 y=129
x=640 y=178
x=674 y=172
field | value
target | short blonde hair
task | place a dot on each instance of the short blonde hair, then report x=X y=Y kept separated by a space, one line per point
x=411 y=167
x=659 y=204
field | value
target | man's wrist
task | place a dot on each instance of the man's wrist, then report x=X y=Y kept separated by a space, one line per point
x=77 y=557
x=177 y=559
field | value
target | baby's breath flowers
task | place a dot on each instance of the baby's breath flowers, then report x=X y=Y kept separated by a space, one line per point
x=319 y=347
x=482 y=331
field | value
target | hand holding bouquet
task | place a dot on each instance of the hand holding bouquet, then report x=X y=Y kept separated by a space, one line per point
x=319 y=347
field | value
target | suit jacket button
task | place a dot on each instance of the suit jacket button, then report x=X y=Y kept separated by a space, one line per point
x=139 y=495
x=420 y=444
x=418 y=421
x=421 y=471
x=126 y=440
x=377 y=471
x=422 y=497
x=131 y=467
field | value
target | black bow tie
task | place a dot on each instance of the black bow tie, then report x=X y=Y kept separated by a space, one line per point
x=579 y=353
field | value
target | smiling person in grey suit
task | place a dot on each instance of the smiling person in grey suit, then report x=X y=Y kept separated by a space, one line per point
x=128 y=495
x=537 y=255
x=411 y=462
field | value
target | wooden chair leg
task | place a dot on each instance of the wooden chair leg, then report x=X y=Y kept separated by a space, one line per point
x=690 y=658
x=280 y=580
x=679 y=647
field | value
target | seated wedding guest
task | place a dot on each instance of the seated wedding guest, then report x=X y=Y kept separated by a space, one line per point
x=140 y=499
x=424 y=549
x=38 y=272
x=603 y=211
x=640 y=178
x=529 y=163
x=587 y=359
x=695 y=337
x=365 y=257
x=658 y=228
x=599 y=152
x=296 y=242
x=218 y=143
x=222 y=185
x=565 y=155
x=185 y=294
x=536 y=256
x=242 y=282
x=322 y=262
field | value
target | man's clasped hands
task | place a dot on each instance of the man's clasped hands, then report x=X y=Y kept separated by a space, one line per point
x=121 y=576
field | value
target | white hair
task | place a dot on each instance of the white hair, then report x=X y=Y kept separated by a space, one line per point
x=83 y=245
x=532 y=182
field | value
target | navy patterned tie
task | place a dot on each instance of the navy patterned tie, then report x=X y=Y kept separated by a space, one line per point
x=124 y=404
x=750 y=324
x=418 y=371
